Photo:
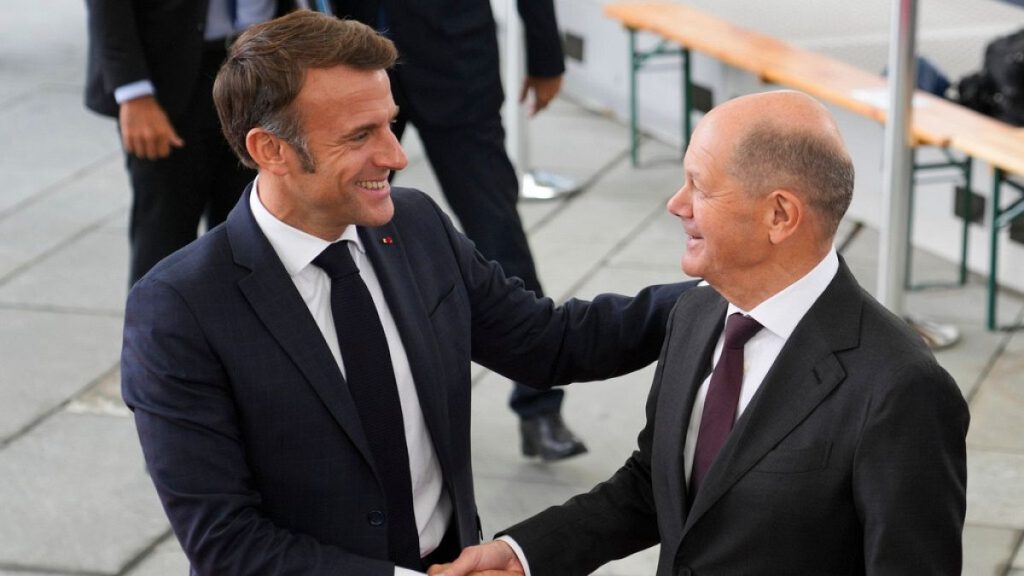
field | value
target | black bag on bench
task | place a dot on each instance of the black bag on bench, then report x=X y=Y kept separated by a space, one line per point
x=998 y=89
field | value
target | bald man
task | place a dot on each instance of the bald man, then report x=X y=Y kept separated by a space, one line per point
x=794 y=425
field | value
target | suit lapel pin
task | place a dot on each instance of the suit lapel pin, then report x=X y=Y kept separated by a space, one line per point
x=387 y=240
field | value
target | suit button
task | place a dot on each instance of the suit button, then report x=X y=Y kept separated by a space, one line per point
x=375 y=518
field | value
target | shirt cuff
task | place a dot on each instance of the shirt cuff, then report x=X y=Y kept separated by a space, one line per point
x=133 y=90
x=399 y=571
x=519 y=552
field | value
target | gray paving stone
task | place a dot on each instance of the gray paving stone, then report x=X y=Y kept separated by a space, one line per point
x=994 y=494
x=577 y=240
x=118 y=221
x=103 y=397
x=496 y=449
x=167 y=558
x=53 y=219
x=987 y=550
x=966 y=360
x=656 y=182
x=90 y=274
x=583 y=141
x=1018 y=559
x=60 y=29
x=77 y=138
x=48 y=357
x=76 y=496
x=998 y=409
x=659 y=246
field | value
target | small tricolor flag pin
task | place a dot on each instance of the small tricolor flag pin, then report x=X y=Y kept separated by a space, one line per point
x=387 y=240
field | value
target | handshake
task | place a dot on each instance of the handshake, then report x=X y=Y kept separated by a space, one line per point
x=491 y=559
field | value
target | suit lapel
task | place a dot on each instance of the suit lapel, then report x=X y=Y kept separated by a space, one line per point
x=273 y=297
x=803 y=375
x=687 y=360
x=386 y=249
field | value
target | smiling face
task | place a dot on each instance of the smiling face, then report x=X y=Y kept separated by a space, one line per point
x=726 y=237
x=346 y=117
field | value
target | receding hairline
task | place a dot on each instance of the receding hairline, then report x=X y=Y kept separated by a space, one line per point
x=799 y=149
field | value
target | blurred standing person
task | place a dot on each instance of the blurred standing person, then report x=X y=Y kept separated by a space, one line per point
x=151 y=66
x=447 y=83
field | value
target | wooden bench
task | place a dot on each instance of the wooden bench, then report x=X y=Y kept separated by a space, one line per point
x=1003 y=148
x=935 y=121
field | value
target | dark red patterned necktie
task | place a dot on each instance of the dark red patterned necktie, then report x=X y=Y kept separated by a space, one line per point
x=722 y=398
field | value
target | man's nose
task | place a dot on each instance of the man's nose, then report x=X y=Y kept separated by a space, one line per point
x=392 y=156
x=679 y=203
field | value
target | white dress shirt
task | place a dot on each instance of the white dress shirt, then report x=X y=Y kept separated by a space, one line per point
x=779 y=316
x=297 y=249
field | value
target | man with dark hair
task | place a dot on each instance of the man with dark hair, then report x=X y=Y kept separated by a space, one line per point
x=300 y=376
x=447 y=83
x=151 y=66
x=814 y=433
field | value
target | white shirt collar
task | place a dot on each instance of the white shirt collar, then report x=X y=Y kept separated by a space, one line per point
x=783 y=311
x=295 y=248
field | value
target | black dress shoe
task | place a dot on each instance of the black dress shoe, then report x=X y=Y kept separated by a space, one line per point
x=546 y=436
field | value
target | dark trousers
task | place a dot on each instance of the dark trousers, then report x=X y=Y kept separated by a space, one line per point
x=479 y=182
x=171 y=195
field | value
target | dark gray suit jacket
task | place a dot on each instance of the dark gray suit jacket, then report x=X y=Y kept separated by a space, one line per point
x=850 y=459
x=248 y=428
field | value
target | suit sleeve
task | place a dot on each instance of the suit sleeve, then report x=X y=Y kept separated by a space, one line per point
x=910 y=477
x=532 y=341
x=195 y=453
x=114 y=32
x=615 y=519
x=544 y=58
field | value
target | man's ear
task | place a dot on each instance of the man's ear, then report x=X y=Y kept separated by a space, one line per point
x=268 y=151
x=787 y=213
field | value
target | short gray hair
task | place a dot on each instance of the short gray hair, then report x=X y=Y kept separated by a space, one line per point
x=811 y=163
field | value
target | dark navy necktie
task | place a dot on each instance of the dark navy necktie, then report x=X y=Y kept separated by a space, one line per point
x=723 y=397
x=371 y=380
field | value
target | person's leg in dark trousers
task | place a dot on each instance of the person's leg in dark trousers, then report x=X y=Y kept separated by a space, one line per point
x=171 y=195
x=479 y=182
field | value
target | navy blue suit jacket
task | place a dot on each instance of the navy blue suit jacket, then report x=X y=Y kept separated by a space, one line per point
x=448 y=52
x=248 y=428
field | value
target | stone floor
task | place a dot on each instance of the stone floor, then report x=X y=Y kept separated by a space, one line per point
x=74 y=498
